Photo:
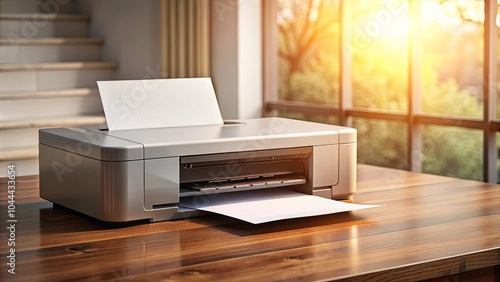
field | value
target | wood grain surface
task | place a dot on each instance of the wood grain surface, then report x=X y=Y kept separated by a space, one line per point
x=430 y=227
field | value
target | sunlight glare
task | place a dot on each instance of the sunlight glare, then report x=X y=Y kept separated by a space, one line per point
x=447 y=13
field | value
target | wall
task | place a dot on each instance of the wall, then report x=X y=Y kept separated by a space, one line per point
x=131 y=30
x=236 y=47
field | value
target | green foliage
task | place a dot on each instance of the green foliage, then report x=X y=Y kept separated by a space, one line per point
x=453 y=152
x=447 y=97
x=380 y=81
x=382 y=143
x=318 y=83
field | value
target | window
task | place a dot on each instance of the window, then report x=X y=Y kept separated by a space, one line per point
x=417 y=79
x=452 y=68
x=308 y=48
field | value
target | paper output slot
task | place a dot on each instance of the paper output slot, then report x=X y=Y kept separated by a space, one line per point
x=217 y=173
x=244 y=165
x=198 y=188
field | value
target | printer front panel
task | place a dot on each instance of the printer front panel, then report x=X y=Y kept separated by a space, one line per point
x=128 y=186
x=334 y=170
x=161 y=182
x=347 y=171
x=122 y=187
x=325 y=166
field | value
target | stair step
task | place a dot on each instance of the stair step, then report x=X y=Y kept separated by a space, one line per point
x=37 y=6
x=19 y=6
x=24 y=158
x=18 y=137
x=45 y=76
x=24 y=133
x=75 y=92
x=59 y=66
x=40 y=25
x=45 y=50
x=52 y=41
x=25 y=155
x=18 y=109
x=19 y=140
x=62 y=102
x=24 y=167
x=54 y=17
x=61 y=121
x=18 y=153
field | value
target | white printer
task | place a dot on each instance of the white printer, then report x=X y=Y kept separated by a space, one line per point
x=147 y=173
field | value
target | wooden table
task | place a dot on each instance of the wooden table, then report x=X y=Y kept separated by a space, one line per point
x=430 y=226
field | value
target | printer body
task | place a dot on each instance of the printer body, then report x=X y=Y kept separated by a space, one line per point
x=146 y=174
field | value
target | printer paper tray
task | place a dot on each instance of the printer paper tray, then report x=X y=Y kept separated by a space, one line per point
x=199 y=188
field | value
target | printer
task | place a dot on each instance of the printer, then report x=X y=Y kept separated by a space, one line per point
x=150 y=173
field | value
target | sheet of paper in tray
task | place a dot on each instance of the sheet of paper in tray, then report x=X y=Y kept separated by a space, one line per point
x=150 y=103
x=260 y=206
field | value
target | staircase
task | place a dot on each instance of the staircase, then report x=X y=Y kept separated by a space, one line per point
x=48 y=71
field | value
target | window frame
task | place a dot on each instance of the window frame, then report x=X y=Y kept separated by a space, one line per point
x=414 y=118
